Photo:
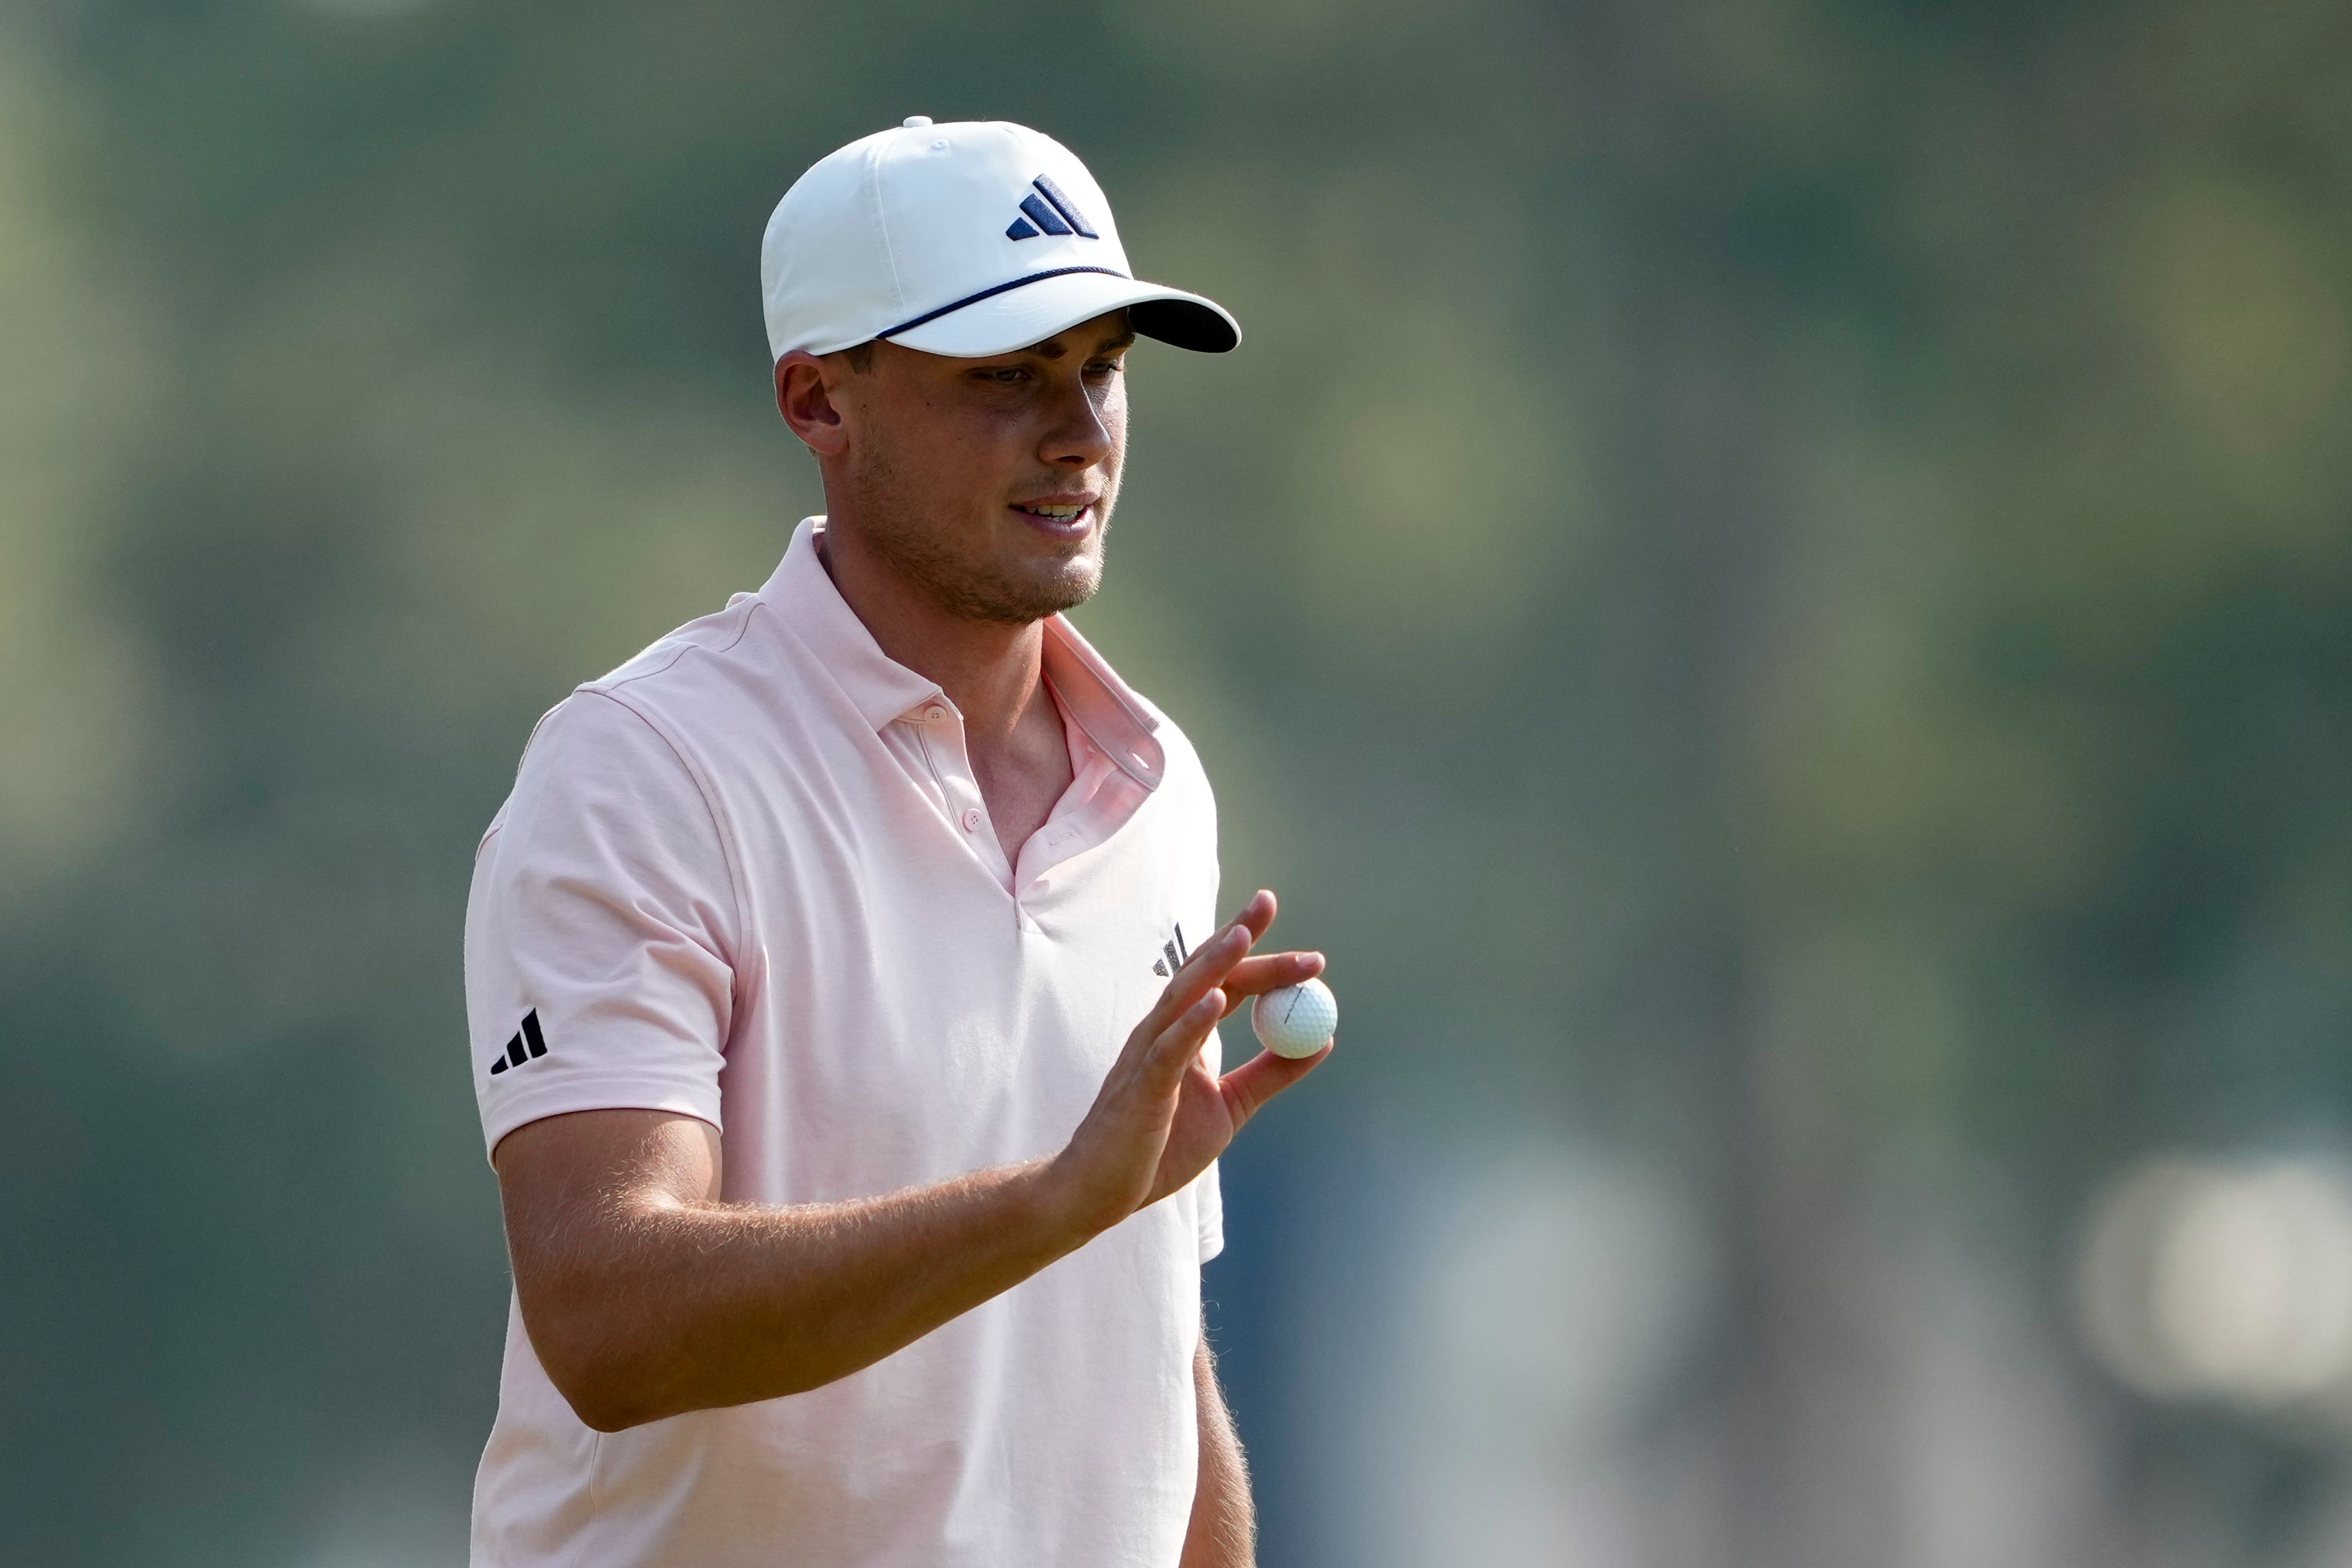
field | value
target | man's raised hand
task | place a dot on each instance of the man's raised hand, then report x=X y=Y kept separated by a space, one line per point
x=1161 y=1116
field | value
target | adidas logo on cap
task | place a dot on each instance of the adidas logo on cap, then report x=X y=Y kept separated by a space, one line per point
x=1056 y=214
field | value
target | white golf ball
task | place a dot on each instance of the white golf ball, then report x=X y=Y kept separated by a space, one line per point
x=1297 y=1020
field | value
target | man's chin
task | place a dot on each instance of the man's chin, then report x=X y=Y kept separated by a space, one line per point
x=1037 y=596
x=1018 y=595
x=1046 y=582
x=1018 y=585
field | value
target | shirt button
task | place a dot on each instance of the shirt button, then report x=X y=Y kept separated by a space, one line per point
x=971 y=820
x=935 y=713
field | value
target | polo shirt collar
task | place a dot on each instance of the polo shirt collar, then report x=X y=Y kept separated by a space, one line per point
x=1120 y=724
x=883 y=691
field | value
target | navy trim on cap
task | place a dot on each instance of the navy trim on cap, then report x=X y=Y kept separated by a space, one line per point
x=990 y=293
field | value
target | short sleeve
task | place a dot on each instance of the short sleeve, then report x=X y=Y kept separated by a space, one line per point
x=1212 y=1201
x=600 y=930
x=1208 y=1198
x=1209 y=1193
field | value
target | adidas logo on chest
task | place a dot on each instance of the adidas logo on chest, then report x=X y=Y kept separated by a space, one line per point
x=1174 y=956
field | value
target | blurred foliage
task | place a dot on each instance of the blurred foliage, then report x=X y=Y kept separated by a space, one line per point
x=1771 y=580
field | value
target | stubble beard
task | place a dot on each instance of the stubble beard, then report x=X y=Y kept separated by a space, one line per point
x=915 y=546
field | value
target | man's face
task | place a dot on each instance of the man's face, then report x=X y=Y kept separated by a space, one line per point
x=990 y=482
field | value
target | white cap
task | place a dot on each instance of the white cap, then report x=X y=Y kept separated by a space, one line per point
x=967 y=239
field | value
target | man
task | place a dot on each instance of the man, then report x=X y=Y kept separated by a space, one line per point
x=843 y=971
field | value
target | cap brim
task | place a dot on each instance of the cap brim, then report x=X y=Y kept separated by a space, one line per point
x=1032 y=312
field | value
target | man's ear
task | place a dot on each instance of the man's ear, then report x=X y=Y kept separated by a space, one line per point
x=805 y=397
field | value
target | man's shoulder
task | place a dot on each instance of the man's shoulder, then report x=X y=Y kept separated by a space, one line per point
x=672 y=697
x=720 y=675
x=679 y=665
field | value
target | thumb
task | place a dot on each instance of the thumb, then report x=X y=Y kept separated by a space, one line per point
x=1249 y=1086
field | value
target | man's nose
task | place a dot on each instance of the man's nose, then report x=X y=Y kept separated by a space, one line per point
x=1081 y=435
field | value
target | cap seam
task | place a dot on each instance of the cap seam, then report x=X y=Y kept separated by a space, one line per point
x=882 y=222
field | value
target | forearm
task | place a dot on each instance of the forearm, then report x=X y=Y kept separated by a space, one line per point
x=1223 y=1531
x=645 y=1297
x=670 y=1306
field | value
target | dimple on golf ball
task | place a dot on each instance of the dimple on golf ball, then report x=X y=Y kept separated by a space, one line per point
x=1297 y=1020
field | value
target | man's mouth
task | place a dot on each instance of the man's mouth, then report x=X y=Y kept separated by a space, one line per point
x=1064 y=518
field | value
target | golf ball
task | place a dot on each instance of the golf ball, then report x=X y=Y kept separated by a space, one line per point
x=1295 y=1020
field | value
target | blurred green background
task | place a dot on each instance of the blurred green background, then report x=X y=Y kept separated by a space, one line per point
x=1773 y=581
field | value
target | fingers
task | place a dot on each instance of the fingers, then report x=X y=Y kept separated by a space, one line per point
x=1255 y=977
x=1264 y=1076
x=1258 y=914
x=1178 y=1046
x=1216 y=963
x=1210 y=962
x=1214 y=959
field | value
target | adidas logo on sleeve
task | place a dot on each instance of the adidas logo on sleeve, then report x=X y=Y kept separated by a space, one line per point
x=528 y=1045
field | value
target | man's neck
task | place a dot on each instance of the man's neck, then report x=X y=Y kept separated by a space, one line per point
x=991 y=670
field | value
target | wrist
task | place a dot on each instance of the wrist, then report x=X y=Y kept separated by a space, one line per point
x=1063 y=1208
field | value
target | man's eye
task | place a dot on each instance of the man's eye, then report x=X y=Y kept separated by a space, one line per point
x=1107 y=368
x=1006 y=375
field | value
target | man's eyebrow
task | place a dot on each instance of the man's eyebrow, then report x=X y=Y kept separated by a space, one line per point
x=1052 y=349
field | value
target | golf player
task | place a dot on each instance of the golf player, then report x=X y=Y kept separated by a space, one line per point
x=843 y=971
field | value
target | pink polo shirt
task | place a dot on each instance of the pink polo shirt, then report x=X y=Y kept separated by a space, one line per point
x=748 y=877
